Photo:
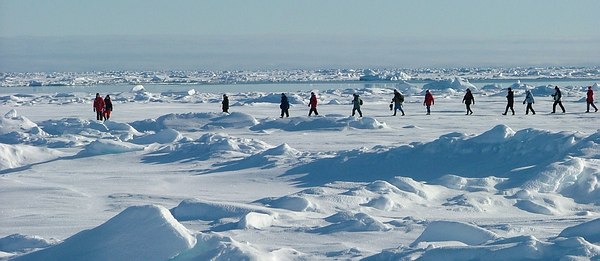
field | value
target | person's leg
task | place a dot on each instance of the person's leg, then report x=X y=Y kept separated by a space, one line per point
x=506 y=109
x=359 y=112
x=532 y=111
x=428 y=109
x=353 y=111
x=593 y=105
x=554 y=107
x=588 y=107
x=287 y=113
x=316 y=112
x=512 y=109
x=562 y=107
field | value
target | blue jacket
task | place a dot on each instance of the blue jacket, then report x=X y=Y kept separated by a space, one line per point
x=528 y=97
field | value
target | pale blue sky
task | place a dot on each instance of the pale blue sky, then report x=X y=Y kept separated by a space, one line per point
x=240 y=34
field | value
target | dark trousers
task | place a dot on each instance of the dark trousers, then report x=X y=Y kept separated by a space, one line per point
x=529 y=107
x=99 y=115
x=509 y=106
x=588 y=106
x=356 y=109
x=286 y=112
x=469 y=108
x=313 y=110
x=428 y=109
x=560 y=104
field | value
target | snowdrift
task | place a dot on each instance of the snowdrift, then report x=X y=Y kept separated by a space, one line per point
x=270 y=158
x=196 y=121
x=137 y=233
x=14 y=156
x=535 y=160
x=211 y=145
x=102 y=147
x=197 y=209
x=16 y=129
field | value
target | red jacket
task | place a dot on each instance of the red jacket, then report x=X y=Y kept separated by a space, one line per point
x=99 y=104
x=313 y=101
x=590 y=96
x=428 y=99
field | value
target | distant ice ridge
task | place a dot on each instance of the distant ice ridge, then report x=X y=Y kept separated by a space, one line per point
x=8 y=79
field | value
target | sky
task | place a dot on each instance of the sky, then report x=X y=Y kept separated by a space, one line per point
x=73 y=35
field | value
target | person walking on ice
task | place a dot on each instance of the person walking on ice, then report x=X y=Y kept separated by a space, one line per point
x=225 y=103
x=530 y=101
x=99 y=107
x=428 y=101
x=108 y=107
x=510 y=102
x=356 y=103
x=468 y=99
x=284 y=106
x=590 y=99
x=557 y=100
x=397 y=101
x=312 y=104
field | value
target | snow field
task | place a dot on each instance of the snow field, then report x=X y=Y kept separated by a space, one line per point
x=172 y=182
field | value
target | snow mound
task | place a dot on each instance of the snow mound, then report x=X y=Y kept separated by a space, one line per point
x=138 y=233
x=534 y=207
x=411 y=186
x=162 y=137
x=292 y=202
x=469 y=184
x=18 y=155
x=232 y=120
x=216 y=247
x=455 y=231
x=319 y=123
x=457 y=84
x=270 y=158
x=536 y=160
x=385 y=203
x=498 y=134
x=209 y=210
x=255 y=220
x=17 y=243
x=73 y=126
x=13 y=122
x=516 y=248
x=589 y=230
x=196 y=121
x=15 y=129
x=90 y=129
x=138 y=88
x=210 y=145
x=359 y=222
x=102 y=147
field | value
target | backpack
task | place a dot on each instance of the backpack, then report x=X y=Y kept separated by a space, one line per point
x=360 y=101
x=401 y=98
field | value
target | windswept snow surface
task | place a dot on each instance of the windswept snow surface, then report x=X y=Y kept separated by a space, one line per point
x=170 y=177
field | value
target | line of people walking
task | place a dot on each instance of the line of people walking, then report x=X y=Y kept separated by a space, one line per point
x=104 y=107
x=468 y=99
